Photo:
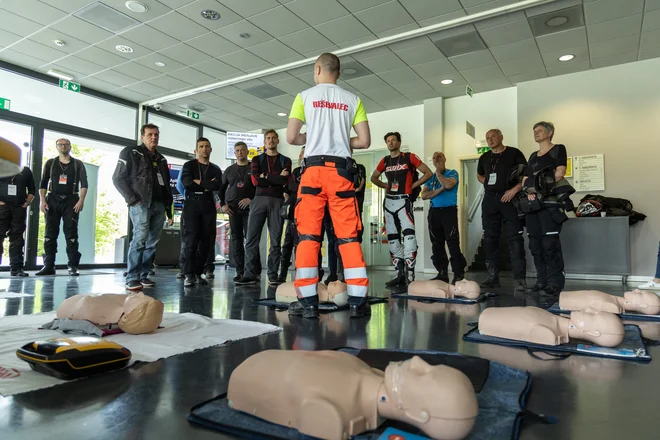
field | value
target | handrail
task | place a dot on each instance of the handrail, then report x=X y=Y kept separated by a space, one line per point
x=475 y=205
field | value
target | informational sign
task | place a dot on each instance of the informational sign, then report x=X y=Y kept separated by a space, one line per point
x=5 y=104
x=254 y=142
x=469 y=129
x=68 y=85
x=469 y=91
x=589 y=173
x=174 y=176
x=192 y=115
x=569 y=167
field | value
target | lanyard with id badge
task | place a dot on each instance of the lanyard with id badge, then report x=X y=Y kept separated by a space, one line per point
x=492 y=178
x=161 y=182
x=12 y=190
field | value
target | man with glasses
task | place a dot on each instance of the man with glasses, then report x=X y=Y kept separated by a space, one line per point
x=65 y=178
x=16 y=193
x=142 y=177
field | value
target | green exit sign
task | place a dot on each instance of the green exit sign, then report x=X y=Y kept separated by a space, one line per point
x=482 y=150
x=68 y=85
x=191 y=114
x=5 y=104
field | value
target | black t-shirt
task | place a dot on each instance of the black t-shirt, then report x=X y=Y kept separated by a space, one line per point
x=13 y=189
x=499 y=166
x=157 y=188
x=555 y=157
x=236 y=184
x=399 y=172
x=63 y=176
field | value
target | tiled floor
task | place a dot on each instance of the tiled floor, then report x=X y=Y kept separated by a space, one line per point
x=593 y=398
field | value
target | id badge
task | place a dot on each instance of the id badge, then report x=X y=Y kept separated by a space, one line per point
x=11 y=190
x=492 y=179
x=395 y=185
x=160 y=179
x=63 y=179
x=240 y=185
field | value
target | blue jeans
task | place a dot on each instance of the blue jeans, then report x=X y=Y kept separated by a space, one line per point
x=657 y=267
x=147 y=226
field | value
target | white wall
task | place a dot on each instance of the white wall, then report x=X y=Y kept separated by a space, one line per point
x=613 y=111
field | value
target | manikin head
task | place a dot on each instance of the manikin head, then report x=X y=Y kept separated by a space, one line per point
x=338 y=293
x=439 y=400
x=602 y=328
x=494 y=138
x=271 y=140
x=326 y=69
x=142 y=314
x=642 y=301
x=468 y=289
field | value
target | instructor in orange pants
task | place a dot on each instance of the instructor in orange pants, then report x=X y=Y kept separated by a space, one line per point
x=328 y=178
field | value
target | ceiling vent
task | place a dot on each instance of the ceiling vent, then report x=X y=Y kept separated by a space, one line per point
x=265 y=91
x=556 y=21
x=460 y=44
x=106 y=18
x=352 y=70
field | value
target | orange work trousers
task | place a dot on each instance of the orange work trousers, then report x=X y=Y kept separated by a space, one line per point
x=321 y=185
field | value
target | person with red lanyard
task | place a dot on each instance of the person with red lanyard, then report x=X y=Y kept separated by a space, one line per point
x=328 y=178
x=401 y=190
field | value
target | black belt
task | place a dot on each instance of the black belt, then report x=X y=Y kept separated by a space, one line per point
x=397 y=196
x=311 y=161
x=193 y=196
x=62 y=196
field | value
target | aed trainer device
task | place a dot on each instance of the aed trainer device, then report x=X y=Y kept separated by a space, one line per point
x=74 y=357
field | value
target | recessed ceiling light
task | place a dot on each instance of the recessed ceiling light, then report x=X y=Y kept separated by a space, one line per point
x=123 y=48
x=281 y=114
x=160 y=64
x=557 y=21
x=60 y=75
x=566 y=57
x=446 y=81
x=350 y=71
x=136 y=6
x=59 y=43
x=198 y=108
x=244 y=35
x=210 y=14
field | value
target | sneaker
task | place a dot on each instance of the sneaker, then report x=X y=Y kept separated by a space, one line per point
x=360 y=311
x=273 y=281
x=297 y=309
x=209 y=275
x=245 y=280
x=457 y=278
x=538 y=287
x=133 y=285
x=190 y=281
x=651 y=285
x=73 y=271
x=238 y=277
x=201 y=281
x=146 y=282
x=19 y=273
x=180 y=275
x=46 y=270
x=520 y=286
x=490 y=282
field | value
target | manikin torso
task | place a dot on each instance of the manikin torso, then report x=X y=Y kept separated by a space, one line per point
x=441 y=289
x=539 y=326
x=135 y=313
x=335 y=292
x=333 y=395
x=645 y=302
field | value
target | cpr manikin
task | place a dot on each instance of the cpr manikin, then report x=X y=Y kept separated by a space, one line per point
x=539 y=326
x=644 y=302
x=135 y=313
x=441 y=289
x=334 y=395
x=335 y=292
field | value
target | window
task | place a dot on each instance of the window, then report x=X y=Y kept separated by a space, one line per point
x=175 y=135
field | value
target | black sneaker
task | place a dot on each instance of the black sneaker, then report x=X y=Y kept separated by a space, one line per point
x=441 y=276
x=360 y=311
x=46 y=270
x=209 y=275
x=201 y=281
x=19 y=273
x=490 y=282
x=520 y=286
x=457 y=278
x=297 y=309
x=146 y=282
x=134 y=285
x=538 y=287
x=552 y=290
x=190 y=281
x=180 y=275
x=237 y=277
x=73 y=271
x=245 y=281
x=273 y=281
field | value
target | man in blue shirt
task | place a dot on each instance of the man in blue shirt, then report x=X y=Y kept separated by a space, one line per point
x=442 y=190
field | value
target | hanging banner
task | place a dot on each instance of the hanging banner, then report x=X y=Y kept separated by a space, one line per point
x=254 y=142
x=176 y=195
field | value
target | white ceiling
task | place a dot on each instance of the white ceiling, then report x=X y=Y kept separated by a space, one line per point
x=198 y=51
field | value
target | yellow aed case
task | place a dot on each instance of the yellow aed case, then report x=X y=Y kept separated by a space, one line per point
x=74 y=357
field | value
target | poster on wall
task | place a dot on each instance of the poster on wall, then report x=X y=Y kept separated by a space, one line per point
x=569 y=167
x=588 y=173
x=176 y=195
x=254 y=141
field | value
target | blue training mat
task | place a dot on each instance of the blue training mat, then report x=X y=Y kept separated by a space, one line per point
x=631 y=316
x=632 y=348
x=501 y=404
x=426 y=299
x=323 y=307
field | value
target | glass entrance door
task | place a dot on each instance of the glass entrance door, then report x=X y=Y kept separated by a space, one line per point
x=20 y=135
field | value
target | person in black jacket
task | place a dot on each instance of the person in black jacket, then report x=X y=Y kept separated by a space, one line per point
x=200 y=178
x=142 y=177
x=16 y=193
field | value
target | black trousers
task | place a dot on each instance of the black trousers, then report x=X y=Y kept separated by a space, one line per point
x=543 y=228
x=12 y=224
x=60 y=209
x=443 y=228
x=238 y=224
x=288 y=246
x=494 y=213
x=209 y=266
x=198 y=232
